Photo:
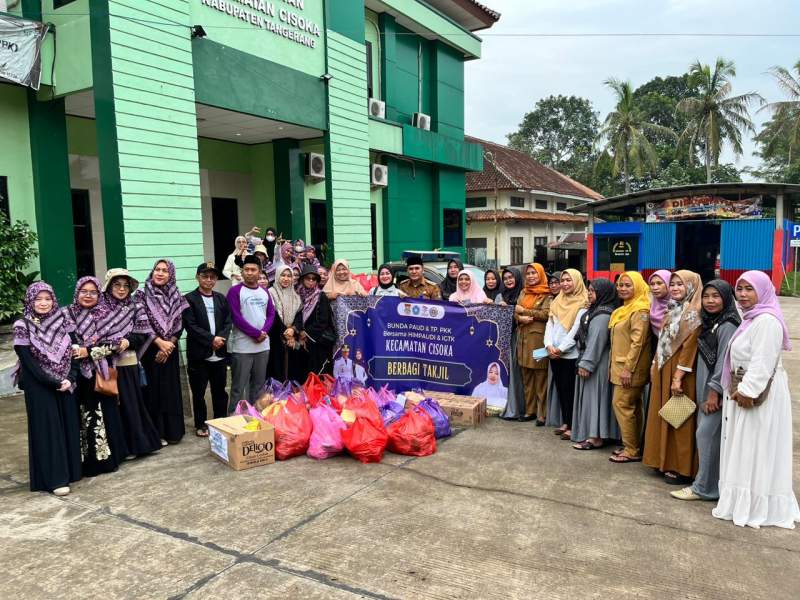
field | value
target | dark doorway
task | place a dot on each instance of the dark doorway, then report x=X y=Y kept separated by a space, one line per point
x=4 y=204
x=319 y=223
x=373 y=226
x=225 y=227
x=82 y=230
x=697 y=247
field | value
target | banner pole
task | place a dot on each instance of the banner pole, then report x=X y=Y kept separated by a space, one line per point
x=794 y=278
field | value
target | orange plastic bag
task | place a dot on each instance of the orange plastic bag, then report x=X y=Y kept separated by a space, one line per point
x=292 y=429
x=314 y=389
x=413 y=434
x=365 y=441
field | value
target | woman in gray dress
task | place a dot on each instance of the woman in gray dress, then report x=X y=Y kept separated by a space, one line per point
x=593 y=419
x=720 y=320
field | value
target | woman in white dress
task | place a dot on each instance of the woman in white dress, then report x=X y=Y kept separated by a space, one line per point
x=492 y=389
x=755 y=484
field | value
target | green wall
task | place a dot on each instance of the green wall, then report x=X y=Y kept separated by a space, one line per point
x=73 y=65
x=407 y=202
x=448 y=91
x=219 y=155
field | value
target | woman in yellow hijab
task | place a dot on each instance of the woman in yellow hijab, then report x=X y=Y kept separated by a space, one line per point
x=631 y=355
x=559 y=339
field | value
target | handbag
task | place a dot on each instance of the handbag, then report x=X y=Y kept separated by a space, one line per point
x=677 y=410
x=107 y=387
x=737 y=377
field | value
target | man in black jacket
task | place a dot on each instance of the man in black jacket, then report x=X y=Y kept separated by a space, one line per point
x=207 y=322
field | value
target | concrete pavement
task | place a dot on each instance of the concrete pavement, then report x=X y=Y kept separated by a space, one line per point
x=504 y=511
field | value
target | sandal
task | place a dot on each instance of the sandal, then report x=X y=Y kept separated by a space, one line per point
x=202 y=433
x=618 y=451
x=672 y=478
x=624 y=458
x=559 y=431
x=567 y=435
x=586 y=445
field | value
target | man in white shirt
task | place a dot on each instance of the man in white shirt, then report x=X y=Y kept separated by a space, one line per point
x=343 y=367
x=252 y=312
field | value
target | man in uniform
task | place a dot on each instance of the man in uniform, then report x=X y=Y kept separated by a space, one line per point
x=343 y=367
x=416 y=285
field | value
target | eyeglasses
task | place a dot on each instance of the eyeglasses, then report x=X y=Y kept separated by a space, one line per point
x=121 y=286
x=89 y=293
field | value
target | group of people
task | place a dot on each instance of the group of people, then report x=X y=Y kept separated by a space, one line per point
x=603 y=361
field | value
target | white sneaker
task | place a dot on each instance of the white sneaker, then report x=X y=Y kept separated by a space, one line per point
x=130 y=457
x=685 y=494
x=61 y=491
x=163 y=443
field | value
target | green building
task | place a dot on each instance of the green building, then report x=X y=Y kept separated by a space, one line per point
x=166 y=127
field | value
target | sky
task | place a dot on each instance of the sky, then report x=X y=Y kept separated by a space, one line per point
x=517 y=68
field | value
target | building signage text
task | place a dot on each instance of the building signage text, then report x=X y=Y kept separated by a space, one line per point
x=280 y=17
x=704 y=207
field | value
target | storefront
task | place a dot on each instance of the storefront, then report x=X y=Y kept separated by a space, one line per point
x=164 y=129
x=716 y=230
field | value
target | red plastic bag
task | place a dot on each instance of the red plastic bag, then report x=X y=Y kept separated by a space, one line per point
x=326 y=438
x=328 y=381
x=365 y=440
x=292 y=430
x=361 y=407
x=314 y=390
x=412 y=434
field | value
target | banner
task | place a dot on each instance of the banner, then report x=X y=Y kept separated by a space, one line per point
x=704 y=207
x=20 y=50
x=438 y=346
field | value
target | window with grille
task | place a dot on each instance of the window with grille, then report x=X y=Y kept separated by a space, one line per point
x=561 y=206
x=516 y=250
x=517 y=202
x=541 y=204
x=476 y=202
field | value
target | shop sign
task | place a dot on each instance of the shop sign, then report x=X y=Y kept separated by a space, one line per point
x=704 y=207
x=284 y=18
x=20 y=50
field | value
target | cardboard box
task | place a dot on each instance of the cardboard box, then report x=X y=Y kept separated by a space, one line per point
x=239 y=448
x=463 y=411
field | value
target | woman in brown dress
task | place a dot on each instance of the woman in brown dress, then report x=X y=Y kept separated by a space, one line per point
x=531 y=312
x=673 y=451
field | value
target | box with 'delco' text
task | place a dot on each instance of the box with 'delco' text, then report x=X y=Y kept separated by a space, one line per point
x=242 y=442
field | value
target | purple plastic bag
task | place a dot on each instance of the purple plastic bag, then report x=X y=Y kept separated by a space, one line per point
x=245 y=408
x=326 y=438
x=441 y=422
x=391 y=411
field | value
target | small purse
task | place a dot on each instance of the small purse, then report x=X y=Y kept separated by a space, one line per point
x=738 y=376
x=677 y=410
x=106 y=387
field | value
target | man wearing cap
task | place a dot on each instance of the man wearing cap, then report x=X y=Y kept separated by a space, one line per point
x=252 y=312
x=343 y=367
x=208 y=323
x=416 y=286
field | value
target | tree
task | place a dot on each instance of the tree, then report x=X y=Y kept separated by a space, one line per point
x=714 y=115
x=559 y=132
x=628 y=135
x=16 y=249
x=784 y=127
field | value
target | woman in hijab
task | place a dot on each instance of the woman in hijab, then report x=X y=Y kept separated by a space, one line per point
x=492 y=286
x=315 y=323
x=127 y=322
x=341 y=282
x=492 y=389
x=47 y=376
x=670 y=450
x=233 y=265
x=511 y=289
x=164 y=306
x=284 y=339
x=386 y=286
x=659 y=290
x=269 y=241
x=449 y=286
x=468 y=290
x=755 y=482
x=720 y=320
x=566 y=311
x=102 y=436
x=554 y=282
x=593 y=416
x=631 y=355
x=530 y=313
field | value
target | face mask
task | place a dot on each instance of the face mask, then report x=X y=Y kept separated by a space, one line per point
x=270 y=238
x=298 y=248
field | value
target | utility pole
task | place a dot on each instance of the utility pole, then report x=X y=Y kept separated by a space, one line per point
x=490 y=157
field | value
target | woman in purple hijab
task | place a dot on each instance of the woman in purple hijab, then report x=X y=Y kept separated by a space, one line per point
x=659 y=292
x=755 y=476
x=47 y=376
x=164 y=306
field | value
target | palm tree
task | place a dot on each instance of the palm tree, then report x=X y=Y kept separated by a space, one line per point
x=714 y=114
x=626 y=133
x=785 y=123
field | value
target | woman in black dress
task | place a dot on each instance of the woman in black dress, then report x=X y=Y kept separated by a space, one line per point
x=47 y=376
x=127 y=321
x=164 y=306
x=284 y=359
x=102 y=437
x=315 y=323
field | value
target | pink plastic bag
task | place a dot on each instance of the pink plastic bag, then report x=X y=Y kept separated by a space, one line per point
x=326 y=438
x=245 y=408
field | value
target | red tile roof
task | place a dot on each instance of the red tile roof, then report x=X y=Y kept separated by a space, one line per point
x=518 y=171
x=518 y=214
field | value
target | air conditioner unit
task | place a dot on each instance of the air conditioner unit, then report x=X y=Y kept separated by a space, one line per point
x=377 y=108
x=379 y=175
x=422 y=121
x=315 y=166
